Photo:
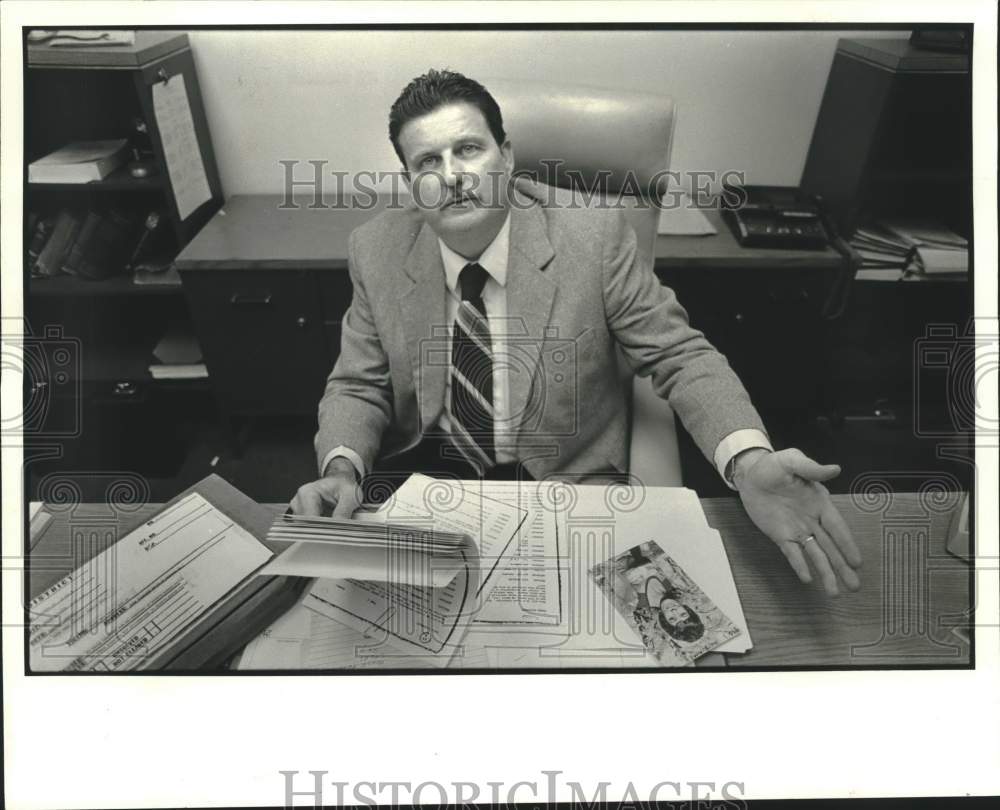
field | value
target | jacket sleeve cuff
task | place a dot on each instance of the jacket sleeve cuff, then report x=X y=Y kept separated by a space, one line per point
x=734 y=444
x=343 y=452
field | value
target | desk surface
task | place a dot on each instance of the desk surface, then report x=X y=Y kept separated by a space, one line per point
x=255 y=231
x=913 y=591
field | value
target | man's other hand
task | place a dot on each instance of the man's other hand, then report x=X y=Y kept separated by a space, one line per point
x=338 y=491
x=783 y=494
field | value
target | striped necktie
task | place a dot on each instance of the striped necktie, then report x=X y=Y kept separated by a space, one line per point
x=471 y=411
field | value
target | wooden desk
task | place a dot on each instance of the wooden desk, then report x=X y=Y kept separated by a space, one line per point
x=913 y=591
x=266 y=283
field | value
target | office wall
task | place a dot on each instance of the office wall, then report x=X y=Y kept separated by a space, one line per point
x=746 y=100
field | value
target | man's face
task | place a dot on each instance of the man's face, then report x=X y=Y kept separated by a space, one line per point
x=457 y=173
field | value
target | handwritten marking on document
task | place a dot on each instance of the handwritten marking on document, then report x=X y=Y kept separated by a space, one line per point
x=180 y=145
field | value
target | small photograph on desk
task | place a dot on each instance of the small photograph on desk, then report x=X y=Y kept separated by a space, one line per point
x=675 y=619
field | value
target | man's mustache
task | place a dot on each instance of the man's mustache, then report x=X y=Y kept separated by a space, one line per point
x=461 y=197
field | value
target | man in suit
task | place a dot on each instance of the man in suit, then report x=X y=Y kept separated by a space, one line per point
x=484 y=333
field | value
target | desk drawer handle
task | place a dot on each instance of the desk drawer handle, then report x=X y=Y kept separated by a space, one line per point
x=250 y=300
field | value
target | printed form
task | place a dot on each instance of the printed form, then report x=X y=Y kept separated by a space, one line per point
x=117 y=611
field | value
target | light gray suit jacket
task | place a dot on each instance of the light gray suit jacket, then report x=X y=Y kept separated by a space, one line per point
x=578 y=290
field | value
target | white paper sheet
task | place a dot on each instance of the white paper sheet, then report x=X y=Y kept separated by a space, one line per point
x=180 y=145
x=532 y=589
x=127 y=603
x=420 y=620
x=305 y=639
x=683 y=219
x=462 y=507
x=376 y=563
x=280 y=645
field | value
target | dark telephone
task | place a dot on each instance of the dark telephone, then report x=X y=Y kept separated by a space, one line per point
x=775 y=217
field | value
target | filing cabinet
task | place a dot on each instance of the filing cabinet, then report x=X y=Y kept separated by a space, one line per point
x=262 y=334
x=267 y=286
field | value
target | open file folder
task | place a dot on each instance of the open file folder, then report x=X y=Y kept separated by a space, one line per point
x=181 y=591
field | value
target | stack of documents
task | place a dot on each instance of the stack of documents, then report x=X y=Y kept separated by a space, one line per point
x=899 y=247
x=537 y=604
x=409 y=577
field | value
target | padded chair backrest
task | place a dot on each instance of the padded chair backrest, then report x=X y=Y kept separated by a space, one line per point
x=623 y=140
x=614 y=140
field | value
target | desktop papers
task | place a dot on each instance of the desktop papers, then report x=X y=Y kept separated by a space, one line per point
x=421 y=620
x=117 y=611
x=600 y=523
x=532 y=589
x=305 y=639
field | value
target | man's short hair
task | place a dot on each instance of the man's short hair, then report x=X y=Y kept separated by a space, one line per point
x=434 y=89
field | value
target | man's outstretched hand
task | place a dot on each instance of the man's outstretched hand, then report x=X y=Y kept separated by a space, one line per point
x=338 y=491
x=783 y=494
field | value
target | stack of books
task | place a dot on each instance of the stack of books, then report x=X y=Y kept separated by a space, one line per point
x=93 y=244
x=900 y=248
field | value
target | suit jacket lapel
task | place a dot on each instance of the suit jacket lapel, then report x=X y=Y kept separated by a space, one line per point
x=423 y=315
x=530 y=294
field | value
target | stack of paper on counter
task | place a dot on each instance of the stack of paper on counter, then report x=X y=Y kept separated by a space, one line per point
x=408 y=578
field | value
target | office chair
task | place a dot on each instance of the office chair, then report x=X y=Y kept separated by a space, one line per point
x=610 y=132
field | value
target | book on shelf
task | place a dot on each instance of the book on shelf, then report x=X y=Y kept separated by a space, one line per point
x=59 y=244
x=40 y=231
x=79 y=162
x=102 y=245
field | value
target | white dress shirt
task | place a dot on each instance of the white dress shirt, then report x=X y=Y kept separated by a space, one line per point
x=494 y=261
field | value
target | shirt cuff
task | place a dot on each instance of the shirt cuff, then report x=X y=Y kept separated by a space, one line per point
x=734 y=444
x=343 y=452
